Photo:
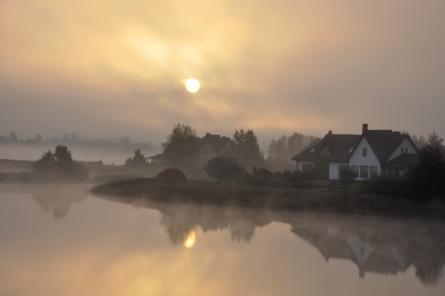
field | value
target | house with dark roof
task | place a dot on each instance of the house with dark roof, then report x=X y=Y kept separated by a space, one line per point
x=210 y=146
x=369 y=154
x=213 y=146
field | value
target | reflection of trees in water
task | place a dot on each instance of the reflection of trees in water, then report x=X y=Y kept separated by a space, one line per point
x=57 y=199
x=242 y=230
x=373 y=244
x=179 y=221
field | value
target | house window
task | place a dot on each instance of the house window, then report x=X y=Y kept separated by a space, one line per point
x=364 y=172
x=373 y=171
x=354 y=169
x=365 y=152
x=404 y=150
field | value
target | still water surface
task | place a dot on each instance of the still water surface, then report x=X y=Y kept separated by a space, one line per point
x=60 y=240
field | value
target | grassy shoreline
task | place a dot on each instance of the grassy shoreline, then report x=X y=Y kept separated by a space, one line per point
x=230 y=194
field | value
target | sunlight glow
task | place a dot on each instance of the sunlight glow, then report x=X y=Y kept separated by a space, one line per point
x=190 y=240
x=192 y=85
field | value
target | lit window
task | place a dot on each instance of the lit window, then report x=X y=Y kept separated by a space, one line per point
x=364 y=172
x=365 y=152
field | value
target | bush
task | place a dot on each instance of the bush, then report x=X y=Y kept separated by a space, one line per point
x=59 y=166
x=261 y=177
x=171 y=176
x=429 y=173
x=138 y=160
x=346 y=176
x=224 y=168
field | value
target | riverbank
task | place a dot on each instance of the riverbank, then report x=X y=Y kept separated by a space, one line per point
x=230 y=194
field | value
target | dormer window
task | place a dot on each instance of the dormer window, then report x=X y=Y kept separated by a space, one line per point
x=365 y=152
x=404 y=150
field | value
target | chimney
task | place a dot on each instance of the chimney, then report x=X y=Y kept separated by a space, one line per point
x=329 y=132
x=364 y=128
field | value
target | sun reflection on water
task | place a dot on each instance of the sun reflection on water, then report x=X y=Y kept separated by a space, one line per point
x=190 y=240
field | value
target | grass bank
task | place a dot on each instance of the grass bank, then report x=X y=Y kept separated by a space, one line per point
x=230 y=194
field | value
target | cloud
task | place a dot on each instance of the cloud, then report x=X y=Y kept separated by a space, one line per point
x=276 y=67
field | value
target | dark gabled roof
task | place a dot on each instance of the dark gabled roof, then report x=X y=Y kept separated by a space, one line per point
x=384 y=142
x=402 y=161
x=337 y=148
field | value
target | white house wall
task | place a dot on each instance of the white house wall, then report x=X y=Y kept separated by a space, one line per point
x=406 y=144
x=358 y=159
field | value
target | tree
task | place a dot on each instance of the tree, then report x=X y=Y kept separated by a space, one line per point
x=13 y=137
x=282 y=151
x=125 y=141
x=296 y=143
x=46 y=160
x=59 y=166
x=247 y=147
x=182 y=146
x=429 y=173
x=63 y=155
x=138 y=159
x=419 y=141
x=278 y=149
x=38 y=138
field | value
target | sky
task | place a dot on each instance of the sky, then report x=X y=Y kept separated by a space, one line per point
x=109 y=68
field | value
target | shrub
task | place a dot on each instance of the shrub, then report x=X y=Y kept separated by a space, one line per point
x=171 y=176
x=59 y=166
x=224 y=168
x=346 y=176
x=261 y=176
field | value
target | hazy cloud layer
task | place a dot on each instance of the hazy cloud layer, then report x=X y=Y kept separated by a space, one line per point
x=117 y=67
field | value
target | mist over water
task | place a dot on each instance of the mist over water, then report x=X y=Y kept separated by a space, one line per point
x=60 y=240
x=34 y=152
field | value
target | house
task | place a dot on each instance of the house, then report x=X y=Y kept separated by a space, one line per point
x=371 y=250
x=212 y=146
x=370 y=154
x=157 y=159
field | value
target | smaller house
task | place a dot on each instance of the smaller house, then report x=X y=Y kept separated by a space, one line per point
x=369 y=154
x=210 y=146
x=213 y=146
x=155 y=159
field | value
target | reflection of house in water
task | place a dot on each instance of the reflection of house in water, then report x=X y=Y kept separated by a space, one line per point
x=57 y=199
x=373 y=244
x=379 y=246
x=369 y=256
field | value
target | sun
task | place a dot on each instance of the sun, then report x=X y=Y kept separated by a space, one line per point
x=192 y=85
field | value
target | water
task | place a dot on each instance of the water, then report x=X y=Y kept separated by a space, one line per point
x=59 y=240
